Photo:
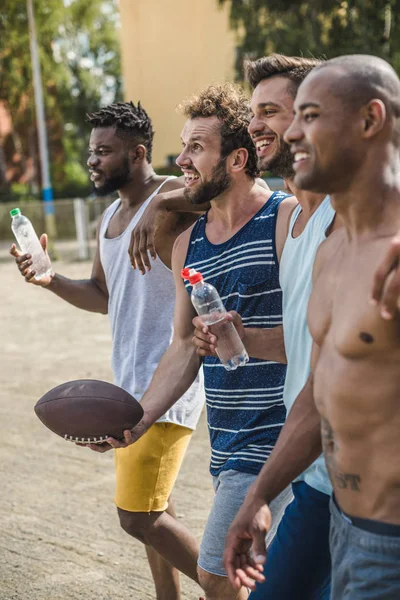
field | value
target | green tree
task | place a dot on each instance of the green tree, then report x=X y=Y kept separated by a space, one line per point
x=317 y=28
x=79 y=55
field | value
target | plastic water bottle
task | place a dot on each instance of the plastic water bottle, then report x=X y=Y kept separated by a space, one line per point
x=210 y=308
x=29 y=243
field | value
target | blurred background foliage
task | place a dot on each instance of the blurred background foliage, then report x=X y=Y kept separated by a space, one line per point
x=80 y=62
x=320 y=28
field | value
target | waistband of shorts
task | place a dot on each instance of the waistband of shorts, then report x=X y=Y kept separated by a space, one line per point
x=370 y=525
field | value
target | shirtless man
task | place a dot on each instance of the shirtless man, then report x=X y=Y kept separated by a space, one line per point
x=120 y=160
x=354 y=101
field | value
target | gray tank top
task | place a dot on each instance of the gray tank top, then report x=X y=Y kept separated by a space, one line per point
x=140 y=310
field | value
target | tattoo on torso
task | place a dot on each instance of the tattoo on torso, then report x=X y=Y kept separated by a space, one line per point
x=342 y=480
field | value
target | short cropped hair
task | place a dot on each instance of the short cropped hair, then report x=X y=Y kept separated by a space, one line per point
x=365 y=78
x=294 y=68
x=231 y=106
x=132 y=123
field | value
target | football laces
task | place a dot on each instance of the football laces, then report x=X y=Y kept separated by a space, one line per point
x=88 y=440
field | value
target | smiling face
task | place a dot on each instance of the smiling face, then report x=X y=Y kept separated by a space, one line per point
x=204 y=170
x=108 y=161
x=272 y=107
x=325 y=135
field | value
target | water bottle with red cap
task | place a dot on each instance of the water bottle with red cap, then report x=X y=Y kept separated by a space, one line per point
x=210 y=308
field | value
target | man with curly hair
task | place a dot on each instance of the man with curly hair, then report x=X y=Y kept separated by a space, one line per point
x=237 y=246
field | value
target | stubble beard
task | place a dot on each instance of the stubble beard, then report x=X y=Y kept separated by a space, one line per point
x=117 y=180
x=281 y=164
x=219 y=182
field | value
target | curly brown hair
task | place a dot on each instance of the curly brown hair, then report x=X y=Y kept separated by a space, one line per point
x=231 y=106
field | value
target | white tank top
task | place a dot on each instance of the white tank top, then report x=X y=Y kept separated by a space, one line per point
x=295 y=274
x=140 y=310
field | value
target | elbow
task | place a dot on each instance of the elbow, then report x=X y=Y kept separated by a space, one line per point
x=99 y=309
x=104 y=307
x=104 y=304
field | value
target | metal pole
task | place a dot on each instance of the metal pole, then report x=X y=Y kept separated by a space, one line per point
x=47 y=191
x=81 y=225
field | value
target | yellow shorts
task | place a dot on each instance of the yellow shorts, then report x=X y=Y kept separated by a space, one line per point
x=147 y=470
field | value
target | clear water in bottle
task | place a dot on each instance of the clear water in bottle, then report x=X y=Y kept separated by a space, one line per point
x=209 y=306
x=230 y=347
x=29 y=243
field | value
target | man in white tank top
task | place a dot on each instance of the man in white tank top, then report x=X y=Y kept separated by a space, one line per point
x=140 y=311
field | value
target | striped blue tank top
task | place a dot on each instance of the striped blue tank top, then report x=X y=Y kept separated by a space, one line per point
x=245 y=409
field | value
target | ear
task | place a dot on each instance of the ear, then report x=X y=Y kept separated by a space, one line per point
x=237 y=159
x=138 y=154
x=374 y=117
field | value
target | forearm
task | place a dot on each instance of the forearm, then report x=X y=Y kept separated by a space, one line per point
x=174 y=375
x=266 y=344
x=298 y=445
x=175 y=201
x=85 y=294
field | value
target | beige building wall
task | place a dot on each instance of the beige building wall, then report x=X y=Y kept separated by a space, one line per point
x=171 y=49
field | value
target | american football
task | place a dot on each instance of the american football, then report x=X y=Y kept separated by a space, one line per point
x=88 y=411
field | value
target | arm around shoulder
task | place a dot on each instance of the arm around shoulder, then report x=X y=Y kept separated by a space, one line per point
x=171 y=199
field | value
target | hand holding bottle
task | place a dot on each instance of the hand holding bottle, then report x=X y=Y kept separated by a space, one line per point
x=32 y=253
x=206 y=341
x=209 y=306
x=25 y=264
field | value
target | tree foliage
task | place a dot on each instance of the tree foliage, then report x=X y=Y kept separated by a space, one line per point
x=79 y=56
x=317 y=28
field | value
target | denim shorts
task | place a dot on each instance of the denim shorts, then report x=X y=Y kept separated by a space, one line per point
x=298 y=563
x=231 y=488
x=365 y=558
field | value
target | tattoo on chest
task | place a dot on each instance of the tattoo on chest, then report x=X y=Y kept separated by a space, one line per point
x=342 y=480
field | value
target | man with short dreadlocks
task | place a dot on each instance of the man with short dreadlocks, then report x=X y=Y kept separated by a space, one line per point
x=141 y=313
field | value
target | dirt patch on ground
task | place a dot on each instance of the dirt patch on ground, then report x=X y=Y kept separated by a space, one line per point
x=60 y=534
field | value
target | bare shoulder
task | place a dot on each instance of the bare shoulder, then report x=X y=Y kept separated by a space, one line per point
x=328 y=252
x=262 y=183
x=181 y=246
x=285 y=210
x=99 y=222
x=287 y=206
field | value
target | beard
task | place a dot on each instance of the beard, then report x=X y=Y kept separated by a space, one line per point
x=206 y=191
x=116 y=181
x=281 y=164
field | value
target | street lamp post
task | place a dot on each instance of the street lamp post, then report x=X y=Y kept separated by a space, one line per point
x=47 y=190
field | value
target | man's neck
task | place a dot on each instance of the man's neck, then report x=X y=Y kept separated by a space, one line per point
x=138 y=189
x=371 y=203
x=308 y=201
x=238 y=204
